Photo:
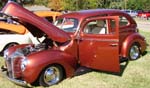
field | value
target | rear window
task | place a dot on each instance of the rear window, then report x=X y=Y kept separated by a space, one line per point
x=123 y=21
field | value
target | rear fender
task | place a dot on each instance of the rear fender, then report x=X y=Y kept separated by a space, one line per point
x=134 y=38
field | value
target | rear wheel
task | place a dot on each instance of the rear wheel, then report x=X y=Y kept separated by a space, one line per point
x=134 y=52
x=51 y=75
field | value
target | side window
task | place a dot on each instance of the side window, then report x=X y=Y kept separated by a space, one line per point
x=123 y=21
x=102 y=26
x=96 y=27
x=112 y=27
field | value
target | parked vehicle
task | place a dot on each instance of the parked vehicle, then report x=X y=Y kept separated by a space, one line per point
x=74 y=41
x=144 y=14
x=132 y=13
x=16 y=33
x=49 y=15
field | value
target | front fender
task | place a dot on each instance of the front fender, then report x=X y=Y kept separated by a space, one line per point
x=14 y=48
x=40 y=60
x=134 y=38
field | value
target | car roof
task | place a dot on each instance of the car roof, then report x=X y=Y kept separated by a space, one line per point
x=91 y=12
x=96 y=12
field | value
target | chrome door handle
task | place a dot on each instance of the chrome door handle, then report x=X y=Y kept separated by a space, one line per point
x=114 y=44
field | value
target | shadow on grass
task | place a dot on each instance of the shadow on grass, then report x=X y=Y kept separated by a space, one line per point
x=84 y=70
x=122 y=69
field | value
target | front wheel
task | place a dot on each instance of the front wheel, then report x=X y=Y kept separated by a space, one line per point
x=134 y=52
x=51 y=75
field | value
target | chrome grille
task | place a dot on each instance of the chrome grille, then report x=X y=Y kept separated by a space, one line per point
x=9 y=66
x=13 y=67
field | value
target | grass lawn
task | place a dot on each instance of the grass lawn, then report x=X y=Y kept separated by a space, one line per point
x=134 y=75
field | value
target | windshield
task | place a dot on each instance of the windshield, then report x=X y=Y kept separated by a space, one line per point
x=67 y=24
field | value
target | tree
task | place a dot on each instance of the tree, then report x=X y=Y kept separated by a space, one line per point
x=56 y=4
x=84 y=4
x=2 y=3
x=90 y=4
x=146 y=5
x=41 y=2
x=93 y=4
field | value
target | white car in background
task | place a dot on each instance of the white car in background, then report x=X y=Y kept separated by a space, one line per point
x=132 y=13
x=9 y=39
x=13 y=33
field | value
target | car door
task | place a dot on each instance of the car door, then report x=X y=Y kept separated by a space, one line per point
x=100 y=50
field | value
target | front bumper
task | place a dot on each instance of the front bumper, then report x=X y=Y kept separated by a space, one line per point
x=16 y=81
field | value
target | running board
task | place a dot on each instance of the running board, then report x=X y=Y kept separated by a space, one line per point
x=123 y=59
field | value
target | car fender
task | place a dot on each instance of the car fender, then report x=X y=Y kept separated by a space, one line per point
x=38 y=61
x=133 y=38
x=11 y=50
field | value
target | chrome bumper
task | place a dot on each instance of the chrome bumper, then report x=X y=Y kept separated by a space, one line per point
x=16 y=81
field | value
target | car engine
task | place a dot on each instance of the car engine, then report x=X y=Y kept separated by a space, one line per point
x=32 y=48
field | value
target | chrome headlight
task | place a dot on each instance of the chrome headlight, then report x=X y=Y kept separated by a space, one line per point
x=5 y=53
x=24 y=63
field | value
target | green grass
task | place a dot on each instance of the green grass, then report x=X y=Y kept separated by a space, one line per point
x=135 y=75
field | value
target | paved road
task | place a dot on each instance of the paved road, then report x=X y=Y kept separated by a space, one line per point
x=143 y=25
x=34 y=8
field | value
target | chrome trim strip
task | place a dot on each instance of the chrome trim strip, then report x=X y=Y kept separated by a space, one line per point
x=101 y=40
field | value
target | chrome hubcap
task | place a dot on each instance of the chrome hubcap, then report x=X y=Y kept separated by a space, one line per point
x=134 y=52
x=52 y=75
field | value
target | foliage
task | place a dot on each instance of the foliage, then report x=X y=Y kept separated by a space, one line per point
x=2 y=2
x=115 y=5
x=138 y=4
x=91 y=4
x=56 y=4
x=41 y=2
x=146 y=5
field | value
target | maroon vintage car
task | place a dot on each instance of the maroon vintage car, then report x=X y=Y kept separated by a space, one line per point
x=99 y=39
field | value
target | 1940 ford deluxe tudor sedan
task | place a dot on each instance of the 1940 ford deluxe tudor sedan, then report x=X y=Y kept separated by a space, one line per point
x=98 y=39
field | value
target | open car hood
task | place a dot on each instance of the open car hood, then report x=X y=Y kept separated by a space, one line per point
x=35 y=24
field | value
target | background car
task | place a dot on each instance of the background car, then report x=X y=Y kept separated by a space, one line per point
x=49 y=15
x=132 y=13
x=13 y=33
x=144 y=14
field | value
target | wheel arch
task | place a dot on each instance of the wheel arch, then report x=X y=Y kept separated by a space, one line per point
x=129 y=41
x=50 y=58
x=10 y=44
x=54 y=64
x=7 y=45
x=36 y=82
